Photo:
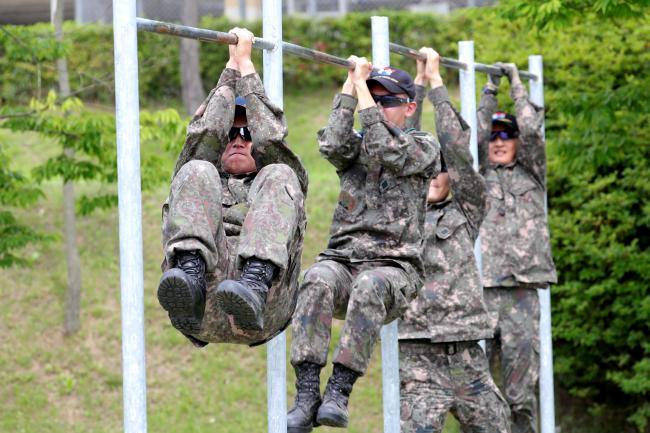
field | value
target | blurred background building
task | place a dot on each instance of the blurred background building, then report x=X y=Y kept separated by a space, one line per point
x=84 y=11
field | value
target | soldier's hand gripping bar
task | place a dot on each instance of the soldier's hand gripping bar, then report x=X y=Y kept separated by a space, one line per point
x=231 y=39
x=455 y=64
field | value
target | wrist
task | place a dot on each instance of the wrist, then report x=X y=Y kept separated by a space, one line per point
x=348 y=88
x=435 y=81
x=359 y=84
x=246 y=67
x=419 y=80
x=232 y=64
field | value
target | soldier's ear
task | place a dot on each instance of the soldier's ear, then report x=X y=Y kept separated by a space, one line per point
x=410 y=108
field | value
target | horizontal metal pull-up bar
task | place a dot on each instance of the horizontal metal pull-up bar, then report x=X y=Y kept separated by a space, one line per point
x=231 y=39
x=455 y=64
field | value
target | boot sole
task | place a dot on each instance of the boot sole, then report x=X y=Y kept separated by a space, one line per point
x=233 y=304
x=299 y=429
x=175 y=296
x=331 y=419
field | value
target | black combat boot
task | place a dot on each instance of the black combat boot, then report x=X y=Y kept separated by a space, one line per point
x=302 y=416
x=182 y=292
x=245 y=298
x=334 y=410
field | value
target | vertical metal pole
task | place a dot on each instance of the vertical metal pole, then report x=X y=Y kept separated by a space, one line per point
x=78 y=11
x=389 y=347
x=468 y=94
x=546 y=387
x=127 y=110
x=343 y=7
x=291 y=8
x=140 y=8
x=242 y=10
x=53 y=4
x=468 y=111
x=312 y=7
x=276 y=365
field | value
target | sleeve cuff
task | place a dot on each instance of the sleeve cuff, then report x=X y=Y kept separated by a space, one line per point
x=438 y=95
x=229 y=77
x=343 y=100
x=490 y=88
x=248 y=84
x=518 y=91
x=369 y=116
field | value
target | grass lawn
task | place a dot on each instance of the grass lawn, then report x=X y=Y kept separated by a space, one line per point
x=58 y=384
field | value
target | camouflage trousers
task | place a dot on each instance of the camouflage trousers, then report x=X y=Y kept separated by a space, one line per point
x=516 y=344
x=367 y=295
x=273 y=229
x=437 y=378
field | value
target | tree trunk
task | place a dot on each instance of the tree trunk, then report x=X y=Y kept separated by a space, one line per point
x=73 y=294
x=191 y=85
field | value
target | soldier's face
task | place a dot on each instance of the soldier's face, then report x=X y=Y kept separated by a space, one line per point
x=396 y=115
x=237 y=158
x=438 y=188
x=502 y=151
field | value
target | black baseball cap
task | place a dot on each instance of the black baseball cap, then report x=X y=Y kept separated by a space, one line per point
x=394 y=80
x=507 y=120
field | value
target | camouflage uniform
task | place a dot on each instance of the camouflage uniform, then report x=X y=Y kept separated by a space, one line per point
x=516 y=252
x=442 y=367
x=228 y=218
x=373 y=264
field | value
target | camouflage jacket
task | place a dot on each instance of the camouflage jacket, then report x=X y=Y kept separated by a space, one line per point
x=384 y=174
x=514 y=236
x=207 y=133
x=450 y=305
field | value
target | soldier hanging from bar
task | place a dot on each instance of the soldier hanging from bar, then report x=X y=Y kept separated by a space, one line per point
x=515 y=239
x=372 y=266
x=442 y=367
x=234 y=222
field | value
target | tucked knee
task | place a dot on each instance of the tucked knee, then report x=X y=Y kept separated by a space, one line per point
x=198 y=169
x=369 y=285
x=319 y=278
x=277 y=171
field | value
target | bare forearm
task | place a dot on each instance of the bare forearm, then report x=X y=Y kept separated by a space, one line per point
x=364 y=96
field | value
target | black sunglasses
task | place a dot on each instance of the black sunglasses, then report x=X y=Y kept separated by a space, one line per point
x=503 y=135
x=388 y=101
x=243 y=132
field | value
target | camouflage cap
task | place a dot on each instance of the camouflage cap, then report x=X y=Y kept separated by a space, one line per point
x=507 y=120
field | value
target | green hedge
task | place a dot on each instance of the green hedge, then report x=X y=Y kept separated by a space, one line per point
x=597 y=82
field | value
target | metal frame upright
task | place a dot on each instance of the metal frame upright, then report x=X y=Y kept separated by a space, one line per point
x=389 y=345
x=276 y=364
x=127 y=113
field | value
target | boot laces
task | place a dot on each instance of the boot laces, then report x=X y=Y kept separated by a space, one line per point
x=307 y=383
x=342 y=381
x=307 y=392
x=193 y=265
x=258 y=273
